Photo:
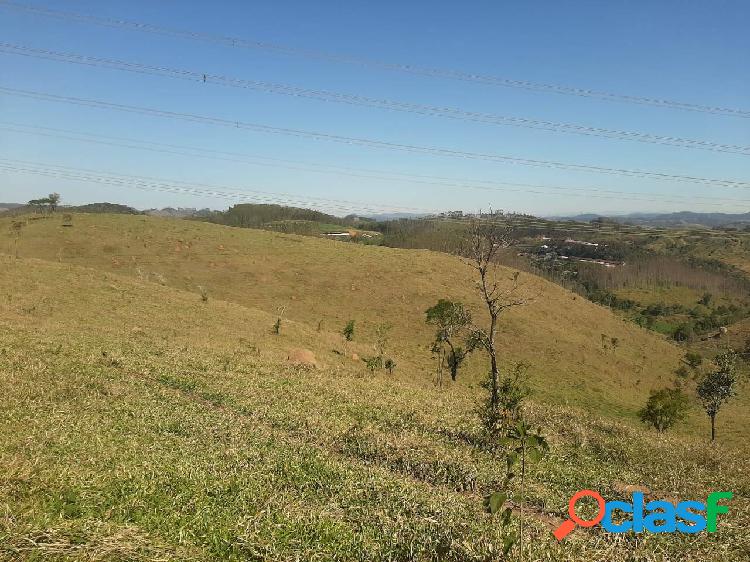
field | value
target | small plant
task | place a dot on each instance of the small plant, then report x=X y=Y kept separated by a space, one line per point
x=390 y=365
x=381 y=337
x=664 y=409
x=348 y=331
x=277 y=325
x=693 y=359
x=495 y=503
x=374 y=363
x=682 y=373
x=512 y=391
x=525 y=447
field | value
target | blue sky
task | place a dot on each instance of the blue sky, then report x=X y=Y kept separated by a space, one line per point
x=687 y=51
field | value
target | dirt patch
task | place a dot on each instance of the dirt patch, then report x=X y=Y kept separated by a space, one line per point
x=303 y=357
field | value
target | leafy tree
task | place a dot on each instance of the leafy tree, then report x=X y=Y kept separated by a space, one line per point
x=53 y=201
x=50 y=202
x=664 y=408
x=348 y=331
x=718 y=387
x=451 y=320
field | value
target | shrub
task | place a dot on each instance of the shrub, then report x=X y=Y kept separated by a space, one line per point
x=374 y=363
x=348 y=331
x=664 y=408
x=693 y=359
x=683 y=333
x=512 y=391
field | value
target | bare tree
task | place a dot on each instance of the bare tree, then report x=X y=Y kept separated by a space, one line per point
x=486 y=239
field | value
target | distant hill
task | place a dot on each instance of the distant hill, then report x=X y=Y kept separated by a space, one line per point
x=9 y=206
x=179 y=212
x=248 y=215
x=670 y=220
x=115 y=208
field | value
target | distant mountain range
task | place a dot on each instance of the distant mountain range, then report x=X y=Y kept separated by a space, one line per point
x=9 y=206
x=679 y=219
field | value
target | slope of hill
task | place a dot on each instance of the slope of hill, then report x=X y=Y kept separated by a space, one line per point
x=578 y=352
x=193 y=439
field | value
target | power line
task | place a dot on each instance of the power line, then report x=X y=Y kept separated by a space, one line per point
x=235 y=42
x=435 y=151
x=437 y=181
x=364 y=101
x=191 y=188
x=146 y=183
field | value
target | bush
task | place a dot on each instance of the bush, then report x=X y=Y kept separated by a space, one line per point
x=693 y=359
x=512 y=392
x=374 y=363
x=664 y=408
x=684 y=332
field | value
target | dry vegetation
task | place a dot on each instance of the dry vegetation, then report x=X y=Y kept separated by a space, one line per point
x=143 y=421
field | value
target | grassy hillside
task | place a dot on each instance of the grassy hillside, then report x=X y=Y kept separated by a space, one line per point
x=564 y=338
x=141 y=423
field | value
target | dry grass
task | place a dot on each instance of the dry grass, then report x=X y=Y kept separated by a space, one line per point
x=142 y=423
x=329 y=282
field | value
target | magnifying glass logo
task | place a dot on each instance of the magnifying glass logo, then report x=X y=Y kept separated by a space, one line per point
x=569 y=524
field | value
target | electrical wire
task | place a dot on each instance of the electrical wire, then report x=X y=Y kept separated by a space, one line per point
x=364 y=101
x=434 y=181
x=435 y=151
x=236 y=42
x=146 y=183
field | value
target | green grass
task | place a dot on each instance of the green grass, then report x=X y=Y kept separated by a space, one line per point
x=141 y=423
